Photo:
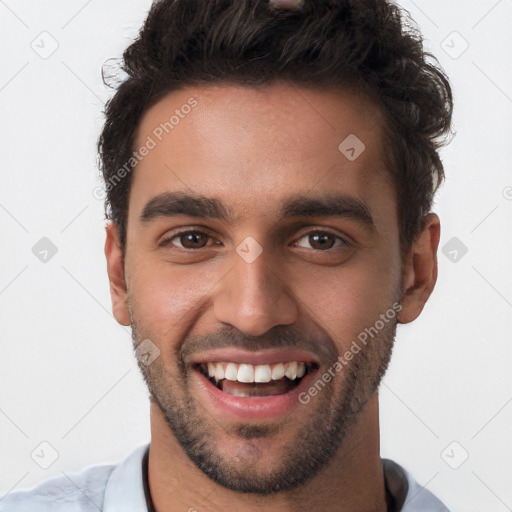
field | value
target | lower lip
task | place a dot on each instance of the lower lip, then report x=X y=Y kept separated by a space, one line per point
x=251 y=408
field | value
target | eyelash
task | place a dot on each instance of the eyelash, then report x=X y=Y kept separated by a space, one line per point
x=166 y=242
x=343 y=242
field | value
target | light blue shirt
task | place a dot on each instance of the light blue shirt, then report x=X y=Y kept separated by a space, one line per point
x=120 y=488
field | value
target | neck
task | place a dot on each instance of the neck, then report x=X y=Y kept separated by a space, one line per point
x=352 y=481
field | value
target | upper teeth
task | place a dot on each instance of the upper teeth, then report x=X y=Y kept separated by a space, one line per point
x=256 y=373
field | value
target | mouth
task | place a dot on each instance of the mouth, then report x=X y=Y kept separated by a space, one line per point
x=248 y=380
x=264 y=386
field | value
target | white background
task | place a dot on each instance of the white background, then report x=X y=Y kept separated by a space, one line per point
x=68 y=376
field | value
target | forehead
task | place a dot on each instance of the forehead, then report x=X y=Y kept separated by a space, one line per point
x=255 y=146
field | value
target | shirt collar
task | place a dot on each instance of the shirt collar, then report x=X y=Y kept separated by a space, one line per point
x=125 y=487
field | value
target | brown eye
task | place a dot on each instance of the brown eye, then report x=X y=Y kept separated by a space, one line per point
x=188 y=240
x=193 y=240
x=321 y=241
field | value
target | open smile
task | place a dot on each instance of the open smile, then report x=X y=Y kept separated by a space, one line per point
x=259 y=386
x=248 y=380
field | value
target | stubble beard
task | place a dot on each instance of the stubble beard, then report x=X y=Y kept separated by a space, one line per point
x=334 y=409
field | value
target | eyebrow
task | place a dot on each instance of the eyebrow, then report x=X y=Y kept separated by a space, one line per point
x=172 y=204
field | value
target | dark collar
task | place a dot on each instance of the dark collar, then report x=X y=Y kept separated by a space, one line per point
x=396 y=485
x=145 y=482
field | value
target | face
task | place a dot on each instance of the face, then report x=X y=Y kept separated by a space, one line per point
x=257 y=247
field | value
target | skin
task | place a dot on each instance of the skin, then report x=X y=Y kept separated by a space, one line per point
x=252 y=148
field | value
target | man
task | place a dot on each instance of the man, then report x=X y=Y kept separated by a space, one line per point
x=270 y=170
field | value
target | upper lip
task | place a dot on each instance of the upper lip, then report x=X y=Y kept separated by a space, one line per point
x=268 y=356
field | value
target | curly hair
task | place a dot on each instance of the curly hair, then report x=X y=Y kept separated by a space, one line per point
x=369 y=45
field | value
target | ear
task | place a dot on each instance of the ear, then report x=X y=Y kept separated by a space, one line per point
x=116 y=276
x=419 y=274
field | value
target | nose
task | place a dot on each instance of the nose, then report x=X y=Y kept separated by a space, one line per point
x=254 y=297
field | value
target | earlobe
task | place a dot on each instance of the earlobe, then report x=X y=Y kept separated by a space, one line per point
x=420 y=270
x=116 y=275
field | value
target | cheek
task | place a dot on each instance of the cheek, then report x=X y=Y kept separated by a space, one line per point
x=163 y=299
x=345 y=300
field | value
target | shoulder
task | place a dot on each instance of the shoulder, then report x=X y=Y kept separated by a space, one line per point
x=107 y=488
x=80 y=492
x=410 y=494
